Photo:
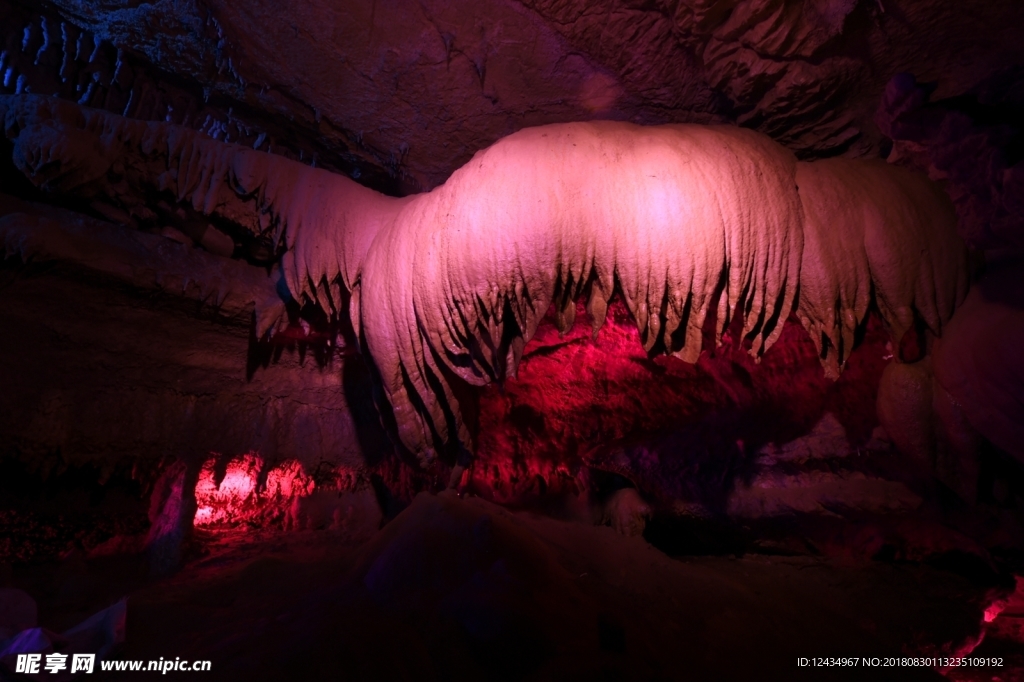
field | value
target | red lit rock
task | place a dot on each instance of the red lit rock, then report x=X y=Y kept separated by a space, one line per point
x=246 y=492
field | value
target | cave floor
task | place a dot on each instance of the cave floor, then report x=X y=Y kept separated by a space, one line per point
x=458 y=588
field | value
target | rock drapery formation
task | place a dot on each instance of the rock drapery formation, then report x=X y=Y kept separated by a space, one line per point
x=273 y=276
x=688 y=223
x=682 y=219
x=68 y=149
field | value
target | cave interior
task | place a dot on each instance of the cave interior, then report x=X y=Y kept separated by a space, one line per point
x=513 y=339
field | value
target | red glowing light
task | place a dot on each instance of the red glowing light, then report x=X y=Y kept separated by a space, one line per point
x=245 y=494
x=993 y=611
x=574 y=395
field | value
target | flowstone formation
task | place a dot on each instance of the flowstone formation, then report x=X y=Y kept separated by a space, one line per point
x=688 y=223
x=521 y=337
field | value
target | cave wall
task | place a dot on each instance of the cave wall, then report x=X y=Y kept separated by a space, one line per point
x=111 y=367
x=128 y=364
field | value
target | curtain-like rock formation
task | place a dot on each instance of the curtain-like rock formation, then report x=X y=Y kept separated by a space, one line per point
x=686 y=222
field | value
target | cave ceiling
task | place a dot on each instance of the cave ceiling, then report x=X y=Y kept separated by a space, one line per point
x=400 y=94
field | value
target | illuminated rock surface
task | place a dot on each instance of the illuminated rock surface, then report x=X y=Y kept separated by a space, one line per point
x=275 y=277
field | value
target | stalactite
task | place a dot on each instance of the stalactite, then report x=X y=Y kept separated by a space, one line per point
x=874 y=229
x=325 y=221
x=684 y=221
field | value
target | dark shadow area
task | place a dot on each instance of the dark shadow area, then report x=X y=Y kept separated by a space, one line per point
x=62 y=510
x=679 y=536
